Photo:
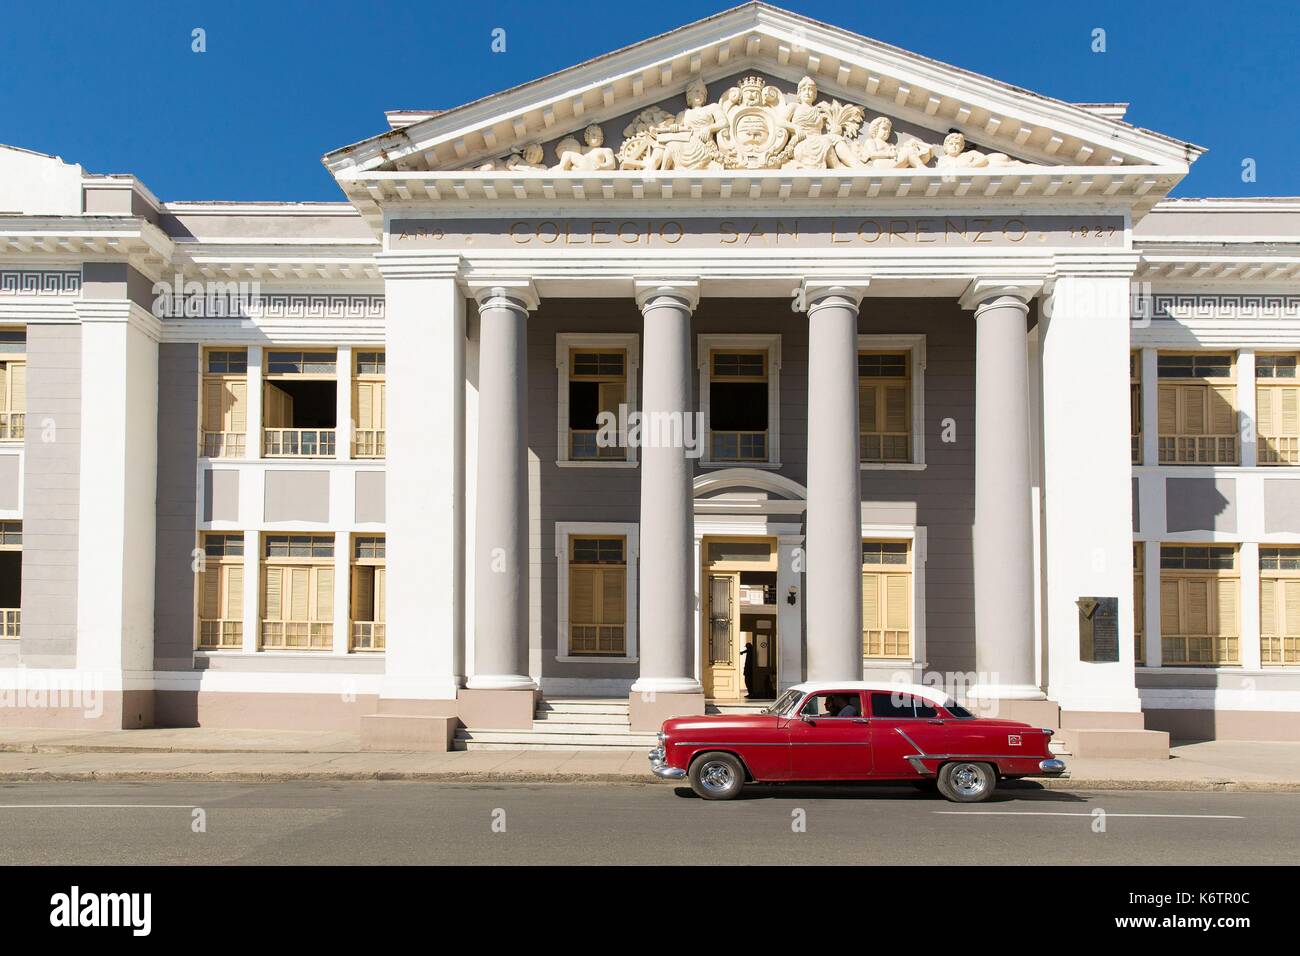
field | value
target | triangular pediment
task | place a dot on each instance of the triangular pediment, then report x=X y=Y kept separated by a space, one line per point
x=924 y=100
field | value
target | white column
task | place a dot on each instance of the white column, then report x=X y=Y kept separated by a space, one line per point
x=501 y=553
x=1150 y=412
x=1151 y=603
x=1088 y=513
x=1246 y=420
x=343 y=404
x=424 y=487
x=119 y=459
x=667 y=574
x=1249 y=622
x=342 y=592
x=1003 y=533
x=253 y=438
x=833 y=591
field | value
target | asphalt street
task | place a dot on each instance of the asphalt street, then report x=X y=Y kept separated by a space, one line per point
x=624 y=824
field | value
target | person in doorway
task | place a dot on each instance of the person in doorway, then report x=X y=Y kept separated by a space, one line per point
x=747 y=652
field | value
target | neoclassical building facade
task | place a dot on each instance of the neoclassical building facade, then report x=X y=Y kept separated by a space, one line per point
x=752 y=353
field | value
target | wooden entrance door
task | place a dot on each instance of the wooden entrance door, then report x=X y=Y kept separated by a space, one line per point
x=722 y=663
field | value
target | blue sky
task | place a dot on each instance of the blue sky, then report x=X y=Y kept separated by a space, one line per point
x=116 y=87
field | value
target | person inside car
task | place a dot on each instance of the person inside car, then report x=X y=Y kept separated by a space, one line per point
x=847 y=707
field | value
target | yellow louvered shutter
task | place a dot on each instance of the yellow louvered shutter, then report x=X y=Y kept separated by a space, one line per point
x=896 y=408
x=1226 y=611
x=1288 y=400
x=213 y=394
x=236 y=406
x=1269 y=625
x=1196 y=595
x=1265 y=415
x=867 y=408
x=1222 y=413
x=380 y=585
x=210 y=603
x=582 y=596
x=612 y=591
x=18 y=387
x=871 y=601
x=1290 y=607
x=234 y=598
x=1192 y=399
x=324 y=595
x=298 y=593
x=612 y=394
x=273 y=598
x=896 y=603
x=1168 y=402
x=1170 y=619
x=363 y=593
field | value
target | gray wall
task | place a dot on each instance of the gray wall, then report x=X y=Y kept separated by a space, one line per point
x=178 y=437
x=52 y=487
x=942 y=495
x=1200 y=504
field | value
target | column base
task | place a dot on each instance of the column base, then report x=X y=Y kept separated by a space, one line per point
x=667 y=685
x=497 y=709
x=647 y=710
x=501 y=682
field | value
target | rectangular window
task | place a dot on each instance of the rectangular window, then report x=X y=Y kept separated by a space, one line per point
x=1135 y=405
x=221 y=592
x=598 y=596
x=738 y=405
x=369 y=586
x=887 y=599
x=1199 y=618
x=885 y=406
x=225 y=402
x=597 y=383
x=1139 y=604
x=1279 y=605
x=299 y=407
x=1197 y=409
x=13 y=384
x=11 y=579
x=369 y=405
x=298 y=592
x=1277 y=410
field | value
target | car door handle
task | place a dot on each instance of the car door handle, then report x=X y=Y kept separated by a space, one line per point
x=861 y=720
x=934 y=721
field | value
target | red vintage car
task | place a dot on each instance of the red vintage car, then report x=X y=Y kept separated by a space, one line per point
x=854 y=730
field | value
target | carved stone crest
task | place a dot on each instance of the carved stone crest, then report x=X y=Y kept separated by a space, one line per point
x=755 y=136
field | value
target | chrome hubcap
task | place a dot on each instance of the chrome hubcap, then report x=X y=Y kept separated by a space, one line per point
x=968 y=779
x=717 y=777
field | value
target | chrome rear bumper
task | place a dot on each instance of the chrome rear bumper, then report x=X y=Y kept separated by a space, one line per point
x=661 y=769
x=1051 y=767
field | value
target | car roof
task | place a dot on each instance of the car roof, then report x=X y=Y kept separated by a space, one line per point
x=933 y=694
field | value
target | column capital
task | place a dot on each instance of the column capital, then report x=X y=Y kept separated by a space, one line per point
x=813 y=291
x=687 y=289
x=985 y=289
x=504 y=293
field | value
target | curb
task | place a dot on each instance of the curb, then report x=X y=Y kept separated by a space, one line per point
x=442 y=776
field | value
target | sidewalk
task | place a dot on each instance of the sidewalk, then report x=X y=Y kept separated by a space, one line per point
x=266 y=756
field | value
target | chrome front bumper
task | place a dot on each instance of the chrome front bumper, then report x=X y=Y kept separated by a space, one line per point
x=661 y=769
x=1051 y=767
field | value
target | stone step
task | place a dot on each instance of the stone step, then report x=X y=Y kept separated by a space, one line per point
x=580 y=717
x=554 y=726
x=1119 y=743
x=559 y=741
x=474 y=745
x=589 y=706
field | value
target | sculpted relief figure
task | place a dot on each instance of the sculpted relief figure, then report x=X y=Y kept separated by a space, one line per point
x=956 y=156
x=596 y=156
x=878 y=151
x=641 y=149
x=835 y=148
x=757 y=135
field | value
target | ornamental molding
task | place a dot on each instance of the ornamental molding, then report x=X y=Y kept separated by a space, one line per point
x=40 y=282
x=248 y=303
x=1178 y=306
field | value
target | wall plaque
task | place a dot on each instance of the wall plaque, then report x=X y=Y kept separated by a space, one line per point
x=1098 y=629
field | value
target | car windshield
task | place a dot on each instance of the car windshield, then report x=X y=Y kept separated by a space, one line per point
x=785 y=703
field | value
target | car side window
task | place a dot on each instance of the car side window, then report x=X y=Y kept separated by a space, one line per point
x=924 y=709
x=895 y=706
x=832 y=704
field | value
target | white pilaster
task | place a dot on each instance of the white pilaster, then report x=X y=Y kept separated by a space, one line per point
x=253 y=440
x=252 y=588
x=119 y=459
x=789 y=617
x=1150 y=411
x=1151 y=604
x=1088 y=513
x=343 y=404
x=1248 y=623
x=1246 y=421
x=342 y=591
x=425 y=468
